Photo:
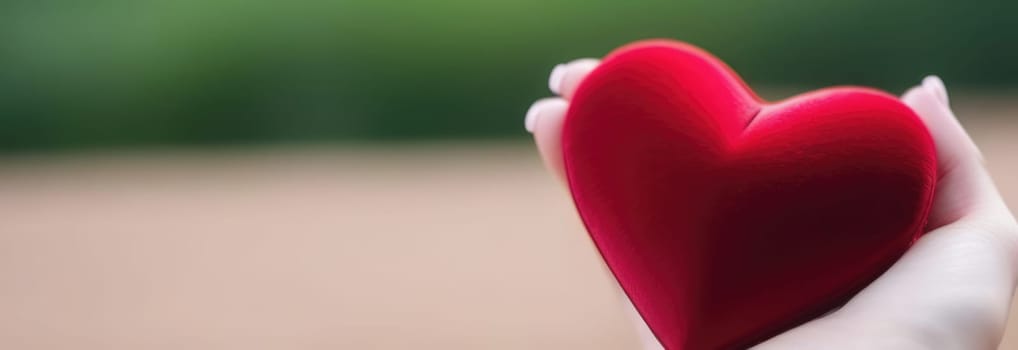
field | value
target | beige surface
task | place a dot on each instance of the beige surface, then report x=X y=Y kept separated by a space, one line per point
x=435 y=247
x=401 y=249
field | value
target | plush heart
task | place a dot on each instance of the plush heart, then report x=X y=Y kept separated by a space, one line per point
x=727 y=219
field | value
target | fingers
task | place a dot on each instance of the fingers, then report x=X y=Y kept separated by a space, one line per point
x=965 y=194
x=964 y=187
x=934 y=83
x=544 y=120
x=545 y=117
x=565 y=78
x=929 y=101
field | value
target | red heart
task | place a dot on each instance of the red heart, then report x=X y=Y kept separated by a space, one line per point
x=728 y=219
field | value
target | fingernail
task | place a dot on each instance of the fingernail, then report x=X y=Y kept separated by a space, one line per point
x=555 y=80
x=934 y=84
x=530 y=122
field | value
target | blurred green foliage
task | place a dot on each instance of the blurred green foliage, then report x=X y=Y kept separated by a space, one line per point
x=126 y=73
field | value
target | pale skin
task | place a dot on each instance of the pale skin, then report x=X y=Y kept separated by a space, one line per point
x=951 y=290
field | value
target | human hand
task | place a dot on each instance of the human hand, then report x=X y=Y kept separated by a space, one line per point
x=951 y=290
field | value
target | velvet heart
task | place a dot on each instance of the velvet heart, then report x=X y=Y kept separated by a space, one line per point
x=727 y=219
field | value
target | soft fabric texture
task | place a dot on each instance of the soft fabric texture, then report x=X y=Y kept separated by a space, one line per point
x=728 y=219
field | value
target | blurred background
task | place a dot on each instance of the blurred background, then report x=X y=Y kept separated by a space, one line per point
x=354 y=174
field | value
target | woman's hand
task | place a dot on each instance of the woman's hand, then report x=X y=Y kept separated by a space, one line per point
x=951 y=290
